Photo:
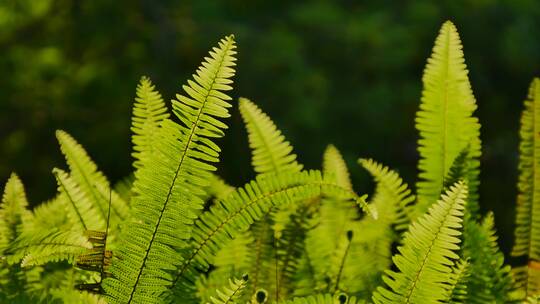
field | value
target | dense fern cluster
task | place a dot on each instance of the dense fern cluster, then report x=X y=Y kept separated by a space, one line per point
x=174 y=232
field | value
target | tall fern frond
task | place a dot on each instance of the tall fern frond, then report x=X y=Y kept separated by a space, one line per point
x=271 y=152
x=333 y=163
x=392 y=196
x=428 y=253
x=149 y=111
x=170 y=183
x=527 y=232
x=445 y=120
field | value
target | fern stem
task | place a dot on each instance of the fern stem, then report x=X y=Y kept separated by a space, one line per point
x=343 y=259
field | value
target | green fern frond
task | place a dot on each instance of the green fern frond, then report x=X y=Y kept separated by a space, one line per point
x=527 y=232
x=40 y=247
x=230 y=294
x=428 y=253
x=246 y=205
x=490 y=280
x=14 y=215
x=149 y=111
x=92 y=183
x=271 y=152
x=445 y=119
x=79 y=209
x=392 y=196
x=46 y=215
x=458 y=283
x=333 y=163
x=168 y=186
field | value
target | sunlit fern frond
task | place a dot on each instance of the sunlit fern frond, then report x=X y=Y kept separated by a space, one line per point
x=333 y=163
x=14 y=214
x=490 y=279
x=527 y=232
x=226 y=220
x=149 y=111
x=46 y=215
x=82 y=213
x=271 y=152
x=392 y=196
x=92 y=183
x=40 y=247
x=445 y=120
x=230 y=293
x=170 y=183
x=427 y=256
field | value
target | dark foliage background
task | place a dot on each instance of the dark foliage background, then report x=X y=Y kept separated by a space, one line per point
x=342 y=72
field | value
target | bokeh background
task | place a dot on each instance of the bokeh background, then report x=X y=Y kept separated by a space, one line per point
x=341 y=72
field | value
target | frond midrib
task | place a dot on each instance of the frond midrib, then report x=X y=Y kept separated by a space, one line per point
x=184 y=153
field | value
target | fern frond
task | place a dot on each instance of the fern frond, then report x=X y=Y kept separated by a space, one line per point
x=92 y=183
x=445 y=120
x=230 y=294
x=392 y=196
x=426 y=257
x=490 y=280
x=40 y=247
x=14 y=215
x=458 y=283
x=271 y=152
x=333 y=163
x=246 y=205
x=149 y=111
x=46 y=215
x=527 y=232
x=80 y=210
x=169 y=185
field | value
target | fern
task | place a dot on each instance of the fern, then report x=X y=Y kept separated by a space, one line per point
x=271 y=153
x=392 y=196
x=333 y=163
x=490 y=280
x=168 y=185
x=149 y=111
x=445 y=120
x=428 y=253
x=91 y=182
x=236 y=213
x=527 y=232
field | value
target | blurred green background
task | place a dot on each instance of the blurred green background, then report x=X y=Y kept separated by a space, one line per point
x=341 y=72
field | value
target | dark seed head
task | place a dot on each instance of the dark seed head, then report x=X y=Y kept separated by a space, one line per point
x=245 y=277
x=342 y=298
x=261 y=296
x=349 y=235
